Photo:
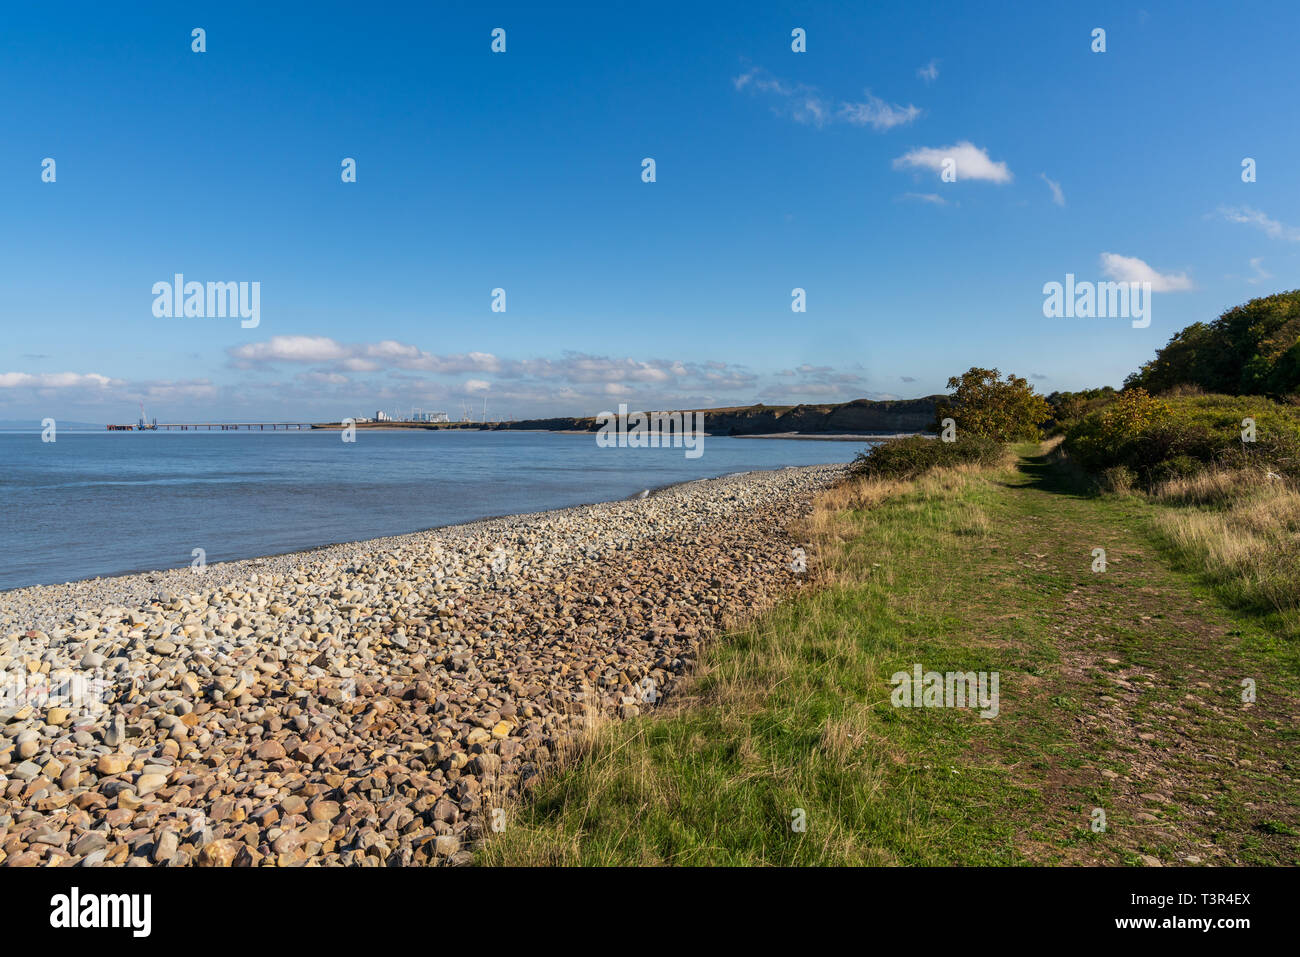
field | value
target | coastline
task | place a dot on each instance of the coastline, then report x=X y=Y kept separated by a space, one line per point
x=372 y=702
x=811 y=436
x=831 y=436
x=142 y=585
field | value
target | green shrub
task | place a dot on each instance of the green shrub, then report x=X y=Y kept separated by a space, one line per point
x=1118 y=479
x=1068 y=408
x=1179 y=466
x=918 y=454
x=1158 y=439
x=984 y=404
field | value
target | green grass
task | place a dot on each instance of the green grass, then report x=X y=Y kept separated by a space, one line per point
x=1225 y=412
x=1101 y=674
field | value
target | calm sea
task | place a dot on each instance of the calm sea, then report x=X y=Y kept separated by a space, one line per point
x=106 y=504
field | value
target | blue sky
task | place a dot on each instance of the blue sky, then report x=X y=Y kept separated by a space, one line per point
x=522 y=170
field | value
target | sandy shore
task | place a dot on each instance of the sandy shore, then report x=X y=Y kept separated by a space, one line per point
x=369 y=703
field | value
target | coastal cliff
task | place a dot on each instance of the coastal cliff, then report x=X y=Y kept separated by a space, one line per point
x=863 y=416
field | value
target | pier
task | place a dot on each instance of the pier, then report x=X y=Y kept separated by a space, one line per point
x=232 y=426
x=213 y=426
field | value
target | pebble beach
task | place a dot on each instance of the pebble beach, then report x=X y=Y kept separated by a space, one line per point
x=375 y=703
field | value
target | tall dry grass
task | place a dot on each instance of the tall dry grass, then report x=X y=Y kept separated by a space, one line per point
x=1243 y=528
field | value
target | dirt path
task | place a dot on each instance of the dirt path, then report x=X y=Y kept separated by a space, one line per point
x=1148 y=687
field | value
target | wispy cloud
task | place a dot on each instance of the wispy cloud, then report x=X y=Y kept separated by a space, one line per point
x=1260 y=272
x=876 y=113
x=1260 y=220
x=930 y=72
x=56 y=380
x=1132 y=269
x=57 y=392
x=971 y=162
x=933 y=198
x=1058 y=197
x=807 y=104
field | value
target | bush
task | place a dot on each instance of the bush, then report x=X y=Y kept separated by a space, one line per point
x=984 y=405
x=1118 y=479
x=1177 y=436
x=1069 y=407
x=913 y=456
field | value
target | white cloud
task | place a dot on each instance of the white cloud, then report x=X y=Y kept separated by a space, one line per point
x=388 y=372
x=930 y=72
x=934 y=198
x=806 y=104
x=876 y=113
x=57 y=380
x=1254 y=217
x=1058 y=197
x=1132 y=269
x=324 y=378
x=971 y=162
x=290 y=349
x=360 y=365
x=363 y=357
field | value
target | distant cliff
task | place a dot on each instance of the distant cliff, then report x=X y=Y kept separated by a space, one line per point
x=858 y=416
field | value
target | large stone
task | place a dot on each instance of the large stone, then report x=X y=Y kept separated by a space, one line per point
x=270 y=751
x=220 y=853
x=112 y=764
x=115 y=731
x=149 y=782
x=324 y=810
x=446 y=844
x=293 y=805
x=165 y=849
x=94 y=841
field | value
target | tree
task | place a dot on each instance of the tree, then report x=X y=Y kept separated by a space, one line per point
x=1252 y=349
x=983 y=404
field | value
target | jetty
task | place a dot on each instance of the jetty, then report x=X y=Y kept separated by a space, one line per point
x=214 y=426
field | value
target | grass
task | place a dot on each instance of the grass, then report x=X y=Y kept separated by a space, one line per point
x=1119 y=691
x=1241 y=528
